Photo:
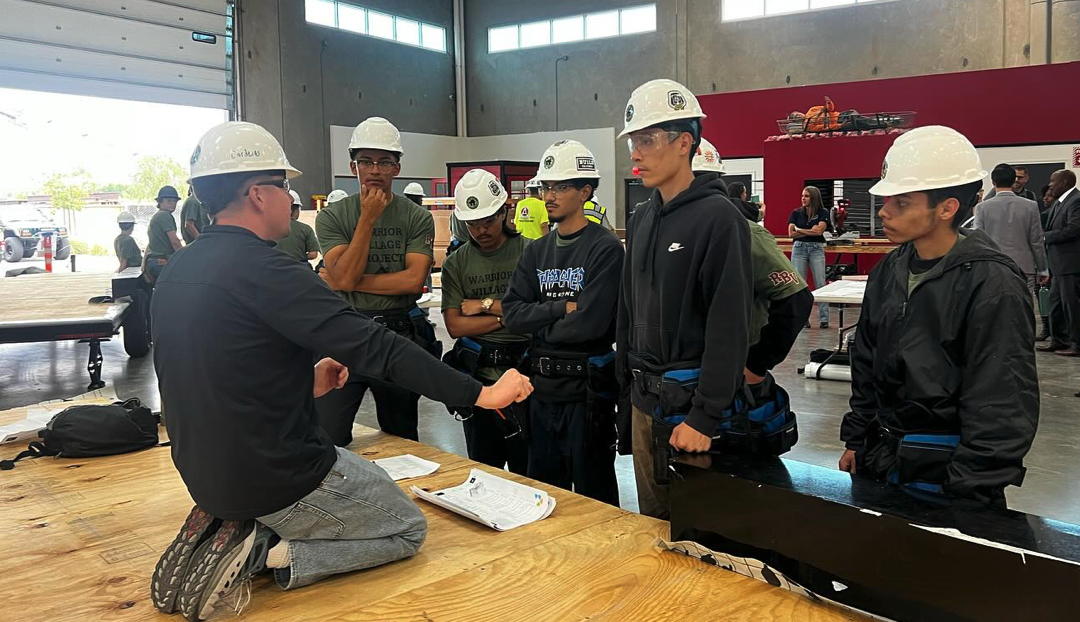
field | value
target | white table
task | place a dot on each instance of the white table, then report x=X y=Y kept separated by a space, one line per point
x=842 y=294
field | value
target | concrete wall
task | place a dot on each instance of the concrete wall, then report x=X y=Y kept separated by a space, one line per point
x=514 y=91
x=298 y=79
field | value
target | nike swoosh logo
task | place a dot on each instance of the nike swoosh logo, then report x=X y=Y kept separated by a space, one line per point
x=675 y=247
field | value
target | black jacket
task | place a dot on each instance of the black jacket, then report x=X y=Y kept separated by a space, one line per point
x=956 y=356
x=752 y=211
x=686 y=294
x=1063 y=235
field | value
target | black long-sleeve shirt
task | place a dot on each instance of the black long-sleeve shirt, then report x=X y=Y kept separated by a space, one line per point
x=236 y=327
x=583 y=268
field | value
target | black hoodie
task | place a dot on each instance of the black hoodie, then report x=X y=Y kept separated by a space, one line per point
x=960 y=347
x=686 y=295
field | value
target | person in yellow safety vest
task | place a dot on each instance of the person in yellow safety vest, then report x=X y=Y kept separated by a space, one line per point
x=530 y=213
x=594 y=212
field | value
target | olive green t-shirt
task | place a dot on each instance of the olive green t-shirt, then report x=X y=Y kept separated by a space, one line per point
x=160 y=225
x=774 y=277
x=471 y=274
x=300 y=241
x=404 y=228
x=127 y=248
x=192 y=210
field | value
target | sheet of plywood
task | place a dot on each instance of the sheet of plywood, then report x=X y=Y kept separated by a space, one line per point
x=88 y=532
x=55 y=297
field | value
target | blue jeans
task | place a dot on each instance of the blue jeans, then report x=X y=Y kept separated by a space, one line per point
x=357 y=518
x=811 y=254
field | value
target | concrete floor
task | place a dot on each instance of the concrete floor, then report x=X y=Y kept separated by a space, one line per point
x=41 y=371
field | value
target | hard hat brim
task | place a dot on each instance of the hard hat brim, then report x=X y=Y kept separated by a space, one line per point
x=886 y=188
x=477 y=214
x=557 y=177
x=636 y=126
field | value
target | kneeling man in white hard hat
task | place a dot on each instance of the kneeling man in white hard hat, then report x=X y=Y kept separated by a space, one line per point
x=564 y=293
x=945 y=398
x=378 y=248
x=271 y=489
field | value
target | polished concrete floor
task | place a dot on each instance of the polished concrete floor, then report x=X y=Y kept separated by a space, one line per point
x=31 y=373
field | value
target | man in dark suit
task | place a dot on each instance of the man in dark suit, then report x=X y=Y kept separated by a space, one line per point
x=1063 y=249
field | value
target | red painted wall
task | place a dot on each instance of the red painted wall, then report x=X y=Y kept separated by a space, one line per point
x=996 y=107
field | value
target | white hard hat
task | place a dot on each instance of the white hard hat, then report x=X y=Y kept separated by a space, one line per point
x=478 y=195
x=336 y=196
x=928 y=158
x=415 y=189
x=533 y=183
x=376 y=133
x=238 y=147
x=567 y=159
x=126 y=218
x=707 y=159
x=659 y=101
x=295 y=198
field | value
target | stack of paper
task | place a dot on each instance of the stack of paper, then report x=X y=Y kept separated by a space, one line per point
x=407 y=466
x=496 y=502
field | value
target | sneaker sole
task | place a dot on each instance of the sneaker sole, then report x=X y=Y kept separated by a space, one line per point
x=216 y=570
x=174 y=563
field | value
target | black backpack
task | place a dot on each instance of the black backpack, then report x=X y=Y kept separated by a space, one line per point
x=90 y=431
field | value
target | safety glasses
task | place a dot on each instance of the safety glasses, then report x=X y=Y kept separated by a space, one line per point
x=651 y=141
x=384 y=166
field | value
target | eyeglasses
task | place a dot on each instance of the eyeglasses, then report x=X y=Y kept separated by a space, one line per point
x=280 y=183
x=480 y=224
x=645 y=143
x=385 y=166
x=556 y=188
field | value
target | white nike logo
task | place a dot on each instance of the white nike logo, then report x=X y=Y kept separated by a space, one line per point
x=675 y=246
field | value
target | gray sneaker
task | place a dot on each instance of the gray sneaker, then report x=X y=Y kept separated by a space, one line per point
x=174 y=563
x=222 y=564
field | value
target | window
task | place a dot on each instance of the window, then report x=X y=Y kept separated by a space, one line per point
x=407 y=30
x=599 y=25
x=504 y=38
x=568 y=29
x=731 y=10
x=352 y=18
x=321 y=12
x=535 y=34
x=639 y=19
x=628 y=21
x=356 y=19
x=381 y=25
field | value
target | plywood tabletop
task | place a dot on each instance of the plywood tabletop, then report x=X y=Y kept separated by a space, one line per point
x=80 y=538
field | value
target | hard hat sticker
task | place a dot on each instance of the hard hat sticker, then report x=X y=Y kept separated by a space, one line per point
x=585 y=163
x=493 y=186
x=472 y=203
x=676 y=100
x=629 y=113
x=884 y=168
x=549 y=161
x=195 y=155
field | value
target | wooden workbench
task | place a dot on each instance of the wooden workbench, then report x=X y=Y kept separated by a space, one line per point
x=858 y=248
x=56 y=297
x=79 y=540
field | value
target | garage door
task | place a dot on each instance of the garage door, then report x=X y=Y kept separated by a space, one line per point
x=169 y=51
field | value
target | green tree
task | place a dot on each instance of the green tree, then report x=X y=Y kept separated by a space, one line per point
x=153 y=172
x=68 y=190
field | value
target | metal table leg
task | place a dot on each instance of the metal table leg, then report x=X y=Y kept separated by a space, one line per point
x=94 y=365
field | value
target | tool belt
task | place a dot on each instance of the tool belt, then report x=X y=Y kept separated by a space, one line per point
x=468 y=355
x=917 y=458
x=759 y=421
x=410 y=323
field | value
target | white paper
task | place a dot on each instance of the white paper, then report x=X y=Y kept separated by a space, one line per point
x=496 y=502
x=39 y=415
x=407 y=466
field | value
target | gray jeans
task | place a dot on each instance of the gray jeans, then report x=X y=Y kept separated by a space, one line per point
x=357 y=518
